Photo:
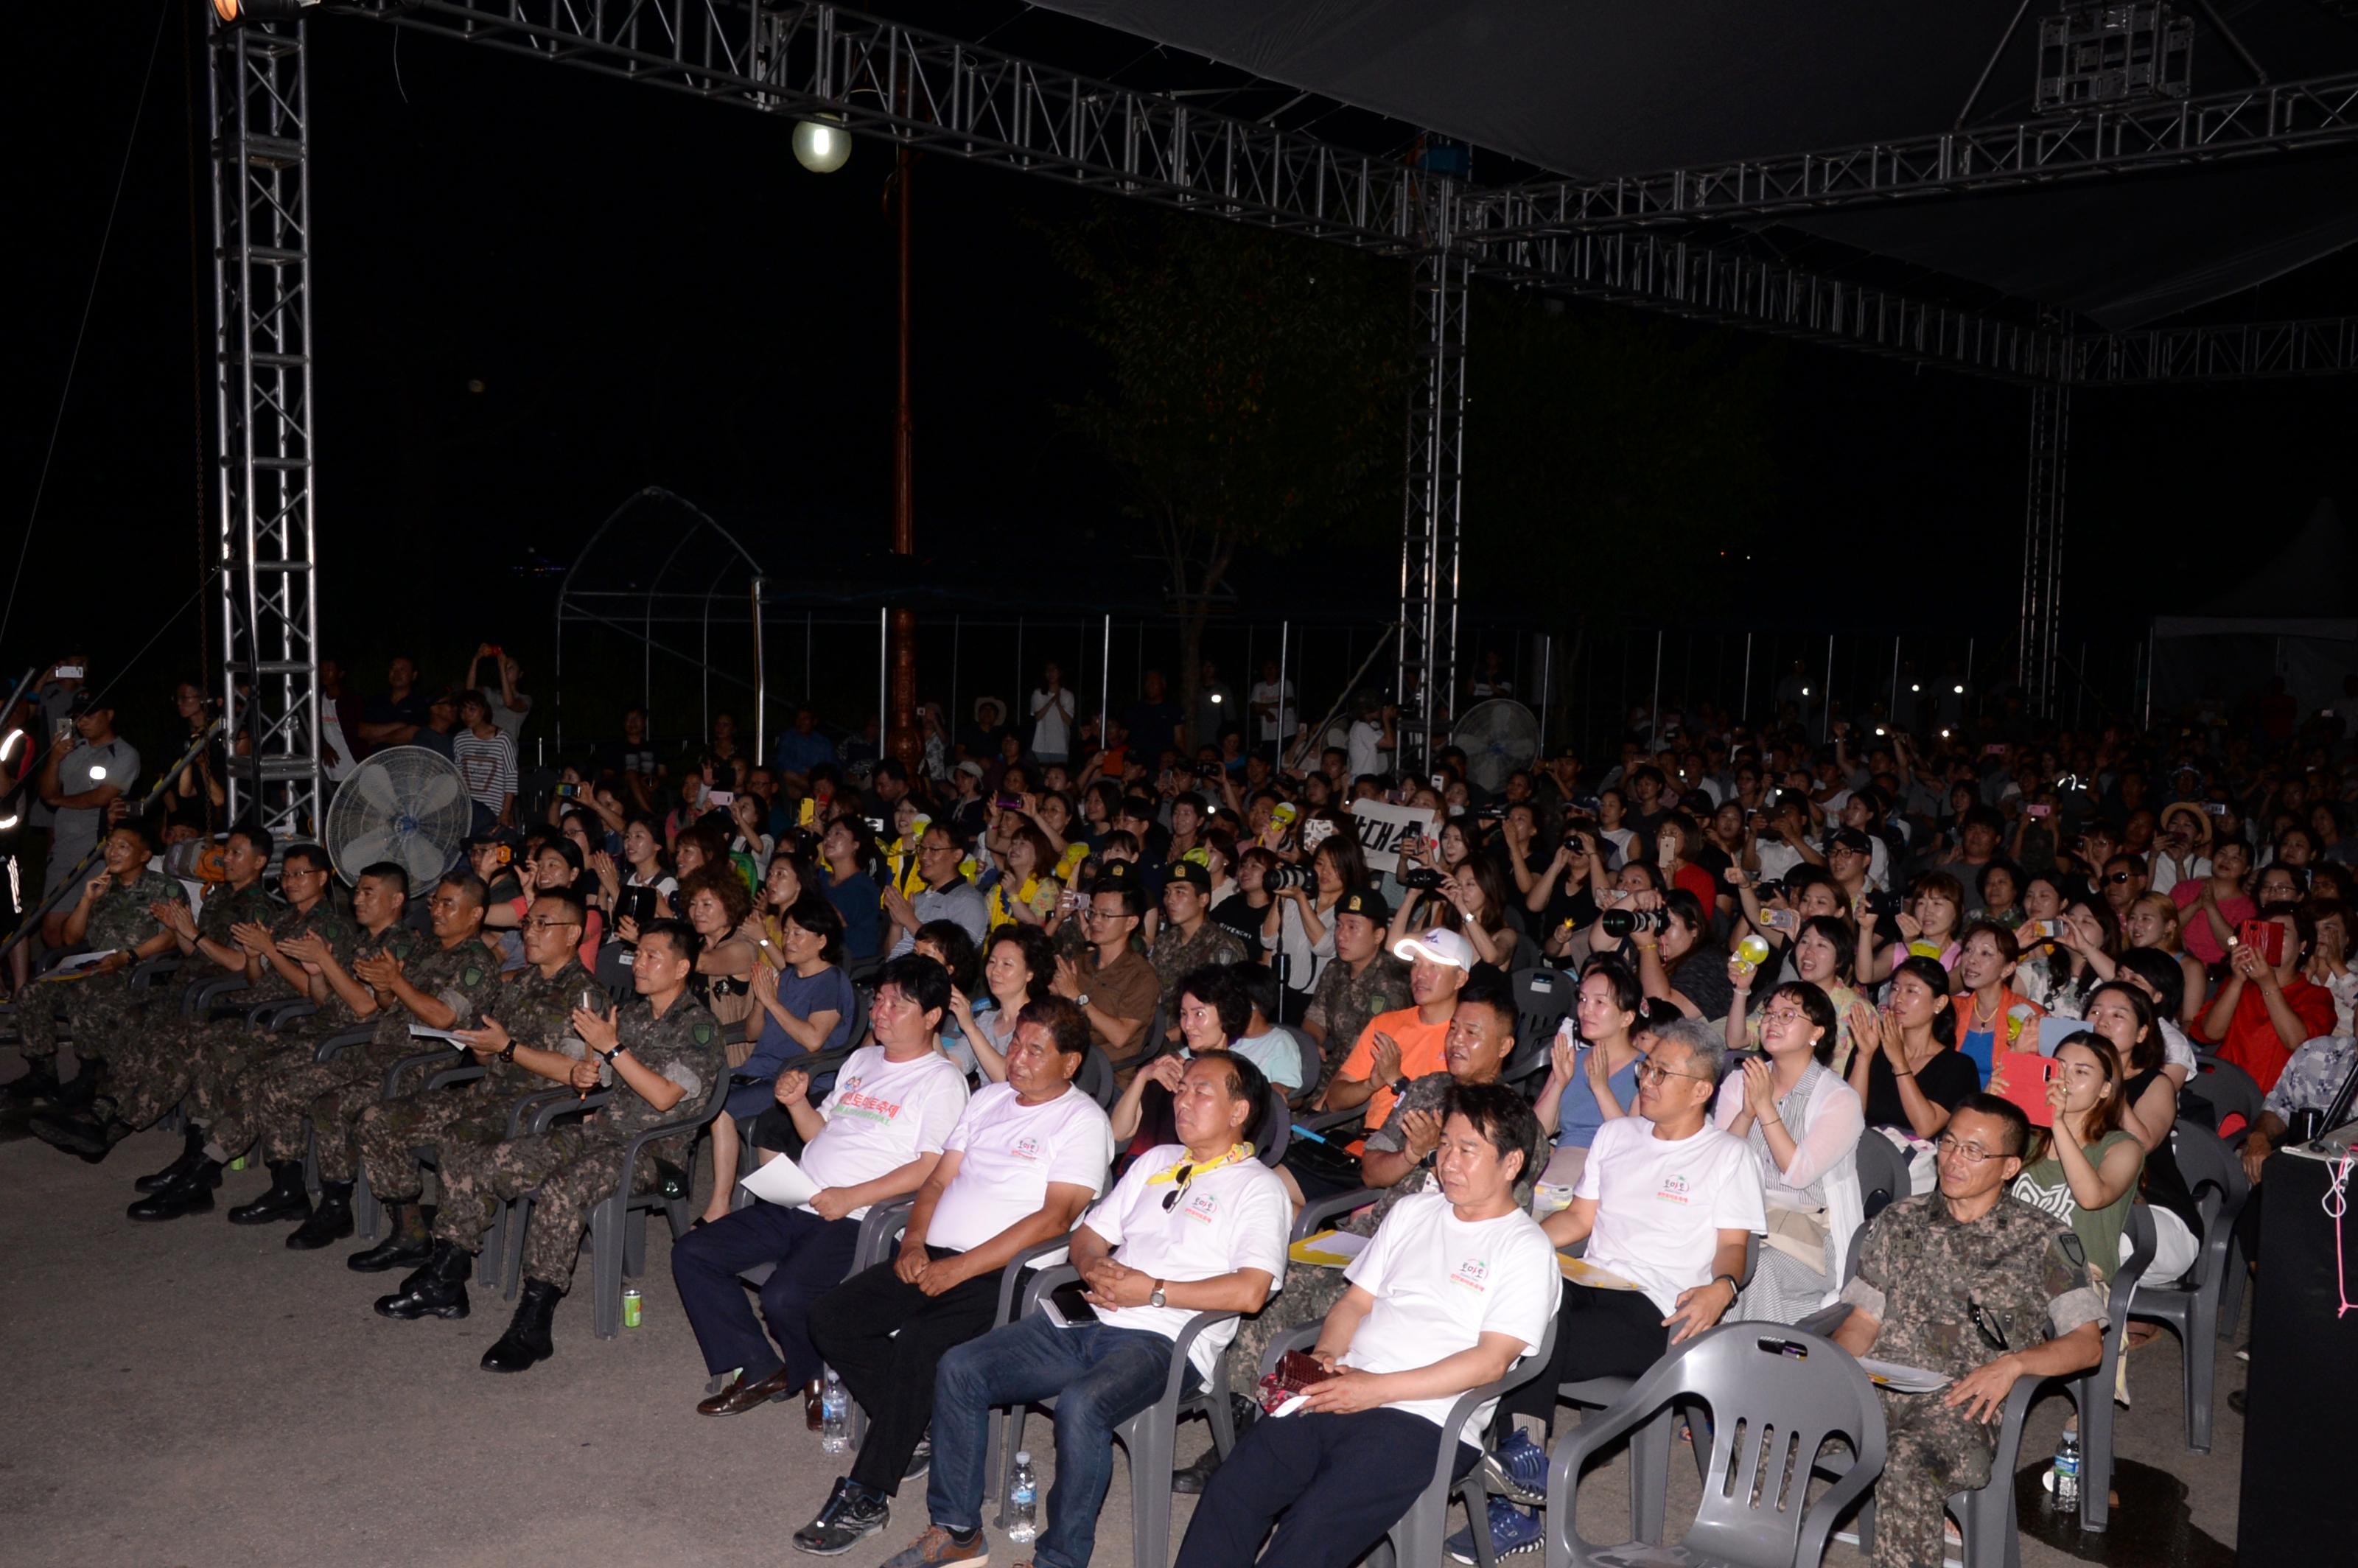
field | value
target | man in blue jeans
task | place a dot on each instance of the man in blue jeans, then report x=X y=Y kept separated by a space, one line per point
x=1200 y=1226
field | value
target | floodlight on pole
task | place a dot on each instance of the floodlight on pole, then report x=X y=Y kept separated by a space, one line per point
x=821 y=146
x=235 y=11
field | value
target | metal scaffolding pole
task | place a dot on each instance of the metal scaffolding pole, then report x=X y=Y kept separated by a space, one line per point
x=262 y=358
x=2042 y=546
x=1430 y=505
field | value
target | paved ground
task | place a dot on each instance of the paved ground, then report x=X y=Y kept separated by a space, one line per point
x=195 y=1394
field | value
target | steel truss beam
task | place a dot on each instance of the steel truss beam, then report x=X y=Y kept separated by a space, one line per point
x=1427 y=684
x=2042 y=546
x=2097 y=143
x=800 y=59
x=262 y=358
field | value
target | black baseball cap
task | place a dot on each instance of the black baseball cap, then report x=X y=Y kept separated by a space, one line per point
x=1370 y=903
x=1191 y=873
x=1854 y=839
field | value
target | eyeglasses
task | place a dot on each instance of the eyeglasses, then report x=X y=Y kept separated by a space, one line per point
x=1783 y=1015
x=1971 y=1154
x=1648 y=1072
x=546 y=924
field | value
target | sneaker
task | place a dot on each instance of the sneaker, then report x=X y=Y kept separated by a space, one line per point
x=1517 y=1468
x=936 y=1547
x=1513 y=1533
x=921 y=1459
x=849 y=1517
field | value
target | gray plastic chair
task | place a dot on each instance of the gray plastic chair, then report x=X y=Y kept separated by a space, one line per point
x=1147 y=1437
x=1416 y=1538
x=2191 y=1307
x=1777 y=1396
x=1882 y=1169
x=617 y=1232
x=2227 y=1088
x=1318 y=1211
x=1543 y=999
x=1095 y=1078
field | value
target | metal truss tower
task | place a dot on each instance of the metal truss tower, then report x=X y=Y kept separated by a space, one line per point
x=2042 y=548
x=262 y=356
x=1430 y=505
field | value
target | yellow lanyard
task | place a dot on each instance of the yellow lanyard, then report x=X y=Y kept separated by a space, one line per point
x=1186 y=1170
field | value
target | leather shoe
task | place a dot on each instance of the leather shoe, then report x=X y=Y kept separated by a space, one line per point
x=395 y=1251
x=527 y=1340
x=286 y=1199
x=331 y=1221
x=438 y=1289
x=39 y=1083
x=194 y=1195
x=88 y=1135
x=740 y=1396
x=192 y=1154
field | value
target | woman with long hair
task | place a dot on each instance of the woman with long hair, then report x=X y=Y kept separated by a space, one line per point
x=849 y=883
x=2086 y=1173
x=1019 y=966
x=1592 y=1065
x=1803 y=1124
x=1906 y=1070
x=805 y=1004
x=1928 y=927
x=947 y=943
x=1300 y=926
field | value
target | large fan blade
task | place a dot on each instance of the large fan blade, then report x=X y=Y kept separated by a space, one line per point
x=377 y=844
x=375 y=786
x=435 y=792
x=424 y=858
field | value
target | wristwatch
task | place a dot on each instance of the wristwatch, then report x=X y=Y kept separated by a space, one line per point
x=1082 y=1001
x=508 y=1054
x=606 y=1056
x=1154 y=1298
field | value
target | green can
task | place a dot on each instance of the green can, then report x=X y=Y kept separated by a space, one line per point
x=631 y=1308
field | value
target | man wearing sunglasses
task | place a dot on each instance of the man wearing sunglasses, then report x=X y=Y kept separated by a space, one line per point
x=2122 y=882
x=1972 y=1284
x=1196 y=1225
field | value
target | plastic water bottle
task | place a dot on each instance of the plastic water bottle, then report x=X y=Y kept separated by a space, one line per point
x=2067 y=1472
x=834 y=1415
x=1024 y=1500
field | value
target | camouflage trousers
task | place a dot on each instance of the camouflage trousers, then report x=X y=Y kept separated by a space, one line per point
x=99 y=1012
x=1309 y=1293
x=1931 y=1452
x=262 y=1095
x=160 y=1066
x=566 y=1173
x=332 y=1096
x=390 y=1132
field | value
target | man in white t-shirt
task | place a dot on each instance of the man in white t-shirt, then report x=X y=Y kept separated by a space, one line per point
x=1025 y=1159
x=1666 y=1202
x=1199 y=1226
x=1053 y=709
x=876 y=1138
x=1456 y=1287
x=1374 y=739
x=1269 y=700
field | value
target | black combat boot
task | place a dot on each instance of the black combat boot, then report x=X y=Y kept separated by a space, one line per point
x=438 y=1289
x=406 y=1244
x=286 y=1199
x=191 y=1194
x=39 y=1083
x=92 y=1136
x=527 y=1339
x=192 y=1154
x=331 y=1220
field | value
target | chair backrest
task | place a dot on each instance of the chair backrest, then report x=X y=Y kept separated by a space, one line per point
x=1096 y=1077
x=859 y=1035
x=1882 y=1172
x=2226 y=1089
x=2212 y=1174
x=1276 y=1129
x=1542 y=1000
x=1778 y=1397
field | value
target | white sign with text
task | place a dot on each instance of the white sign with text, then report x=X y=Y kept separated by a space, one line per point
x=1383 y=825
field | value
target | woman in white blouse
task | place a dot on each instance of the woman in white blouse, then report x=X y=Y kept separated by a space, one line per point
x=1804 y=1123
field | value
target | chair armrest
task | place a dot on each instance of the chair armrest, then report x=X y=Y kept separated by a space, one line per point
x=149 y=974
x=1825 y=1320
x=1325 y=1119
x=1188 y=1333
x=661 y=1131
x=274 y=1016
x=1318 y=1210
x=544 y=1116
x=520 y=1114
x=878 y=1227
x=1014 y=1278
x=420 y=1059
x=449 y=1075
x=1301 y=1338
x=342 y=1040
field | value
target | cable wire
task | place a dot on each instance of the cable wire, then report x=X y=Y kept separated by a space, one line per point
x=113 y=205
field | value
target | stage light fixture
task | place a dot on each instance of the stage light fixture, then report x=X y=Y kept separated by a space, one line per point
x=235 y=11
x=822 y=145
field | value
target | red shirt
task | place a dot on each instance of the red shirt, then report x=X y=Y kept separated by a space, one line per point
x=2252 y=1041
x=1702 y=883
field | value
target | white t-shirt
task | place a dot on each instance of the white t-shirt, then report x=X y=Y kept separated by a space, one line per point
x=1231 y=1218
x=1777 y=857
x=1441 y=1283
x=1366 y=748
x=1277 y=1054
x=882 y=1115
x=1661 y=1205
x=1052 y=731
x=1278 y=695
x=1008 y=1154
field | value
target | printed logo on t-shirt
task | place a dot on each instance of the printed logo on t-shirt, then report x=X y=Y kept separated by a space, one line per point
x=1473 y=1274
x=1202 y=1208
x=2056 y=1200
x=1027 y=1147
x=1674 y=1190
x=873 y=1108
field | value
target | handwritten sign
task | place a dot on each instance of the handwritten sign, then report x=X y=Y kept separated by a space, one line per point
x=1382 y=826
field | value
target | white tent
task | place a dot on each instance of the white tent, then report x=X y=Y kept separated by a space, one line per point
x=2292 y=617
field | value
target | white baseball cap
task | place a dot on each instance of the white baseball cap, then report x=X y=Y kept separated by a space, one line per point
x=1439 y=945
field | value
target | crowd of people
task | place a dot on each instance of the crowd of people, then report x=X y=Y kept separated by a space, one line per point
x=1066 y=996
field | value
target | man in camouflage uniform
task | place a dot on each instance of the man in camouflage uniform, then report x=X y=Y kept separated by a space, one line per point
x=1359 y=982
x=1188 y=940
x=662 y=1055
x=531 y=1009
x=1968 y=1282
x=209 y=934
x=265 y=1097
x=164 y=1066
x=1397 y=1160
x=115 y=915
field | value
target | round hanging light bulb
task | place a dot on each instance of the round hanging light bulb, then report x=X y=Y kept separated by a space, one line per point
x=822 y=145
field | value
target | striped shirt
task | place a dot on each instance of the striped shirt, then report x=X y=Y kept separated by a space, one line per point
x=487 y=762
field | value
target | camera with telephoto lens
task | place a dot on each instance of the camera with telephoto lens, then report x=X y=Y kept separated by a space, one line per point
x=1424 y=879
x=1281 y=878
x=1622 y=923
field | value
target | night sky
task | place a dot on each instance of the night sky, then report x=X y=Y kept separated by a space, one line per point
x=649 y=291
